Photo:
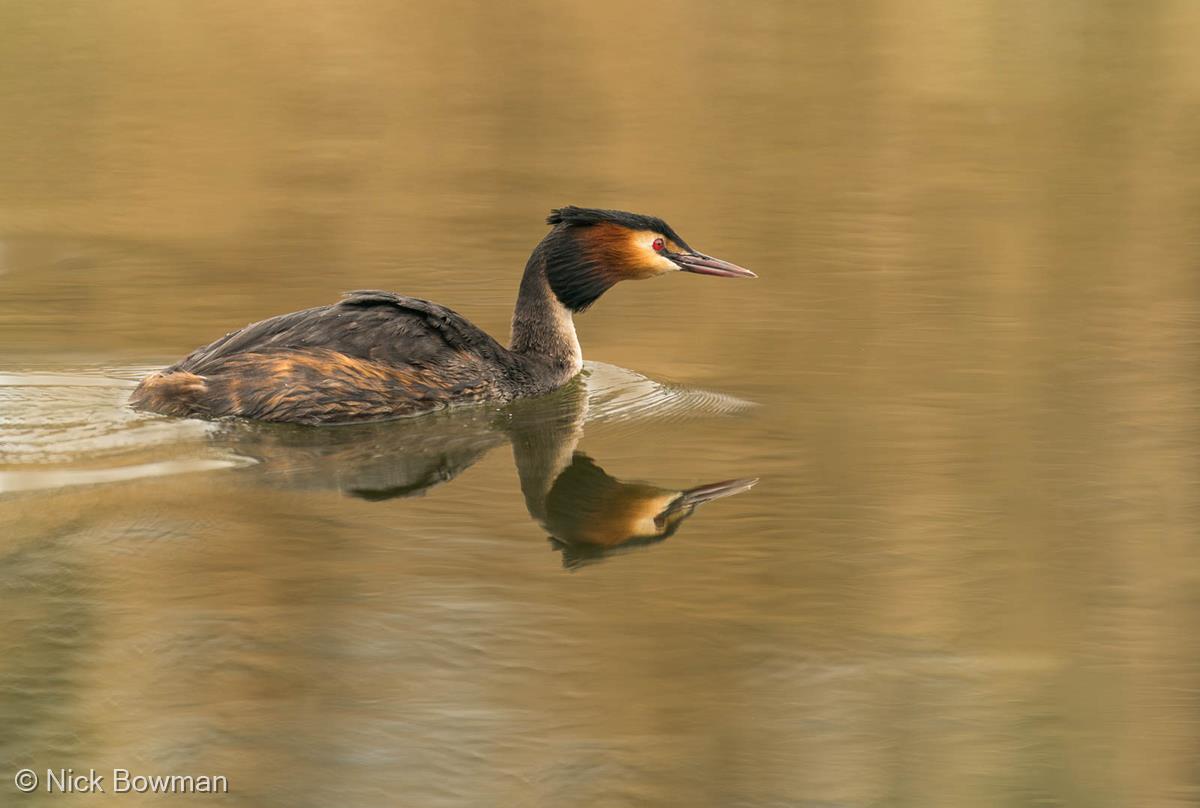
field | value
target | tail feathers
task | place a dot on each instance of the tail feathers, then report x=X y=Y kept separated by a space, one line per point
x=171 y=393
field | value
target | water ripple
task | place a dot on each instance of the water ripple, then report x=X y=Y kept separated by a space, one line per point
x=619 y=395
x=74 y=427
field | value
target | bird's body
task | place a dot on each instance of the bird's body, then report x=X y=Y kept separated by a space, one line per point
x=371 y=356
x=378 y=355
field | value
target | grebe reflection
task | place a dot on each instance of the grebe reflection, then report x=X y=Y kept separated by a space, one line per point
x=588 y=513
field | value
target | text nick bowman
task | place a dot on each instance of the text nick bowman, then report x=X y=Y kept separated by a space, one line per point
x=67 y=781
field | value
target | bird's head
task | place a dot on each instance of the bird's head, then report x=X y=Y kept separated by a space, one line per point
x=590 y=250
x=591 y=514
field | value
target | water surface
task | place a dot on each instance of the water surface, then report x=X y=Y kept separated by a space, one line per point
x=966 y=381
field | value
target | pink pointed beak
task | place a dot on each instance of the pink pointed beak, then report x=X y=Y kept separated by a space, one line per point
x=703 y=264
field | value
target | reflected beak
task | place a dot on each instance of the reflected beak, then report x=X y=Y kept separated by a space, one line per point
x=707 y=493
x=703 y=264
x=689 y=499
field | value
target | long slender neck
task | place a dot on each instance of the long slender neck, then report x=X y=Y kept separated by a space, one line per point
x=544 y=435
x=543 y=331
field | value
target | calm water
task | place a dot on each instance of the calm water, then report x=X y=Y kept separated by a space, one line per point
x=967 y=379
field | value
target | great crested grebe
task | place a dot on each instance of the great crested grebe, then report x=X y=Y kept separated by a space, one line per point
x=376 y=355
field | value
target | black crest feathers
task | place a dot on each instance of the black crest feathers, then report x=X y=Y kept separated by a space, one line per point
x=582 y=217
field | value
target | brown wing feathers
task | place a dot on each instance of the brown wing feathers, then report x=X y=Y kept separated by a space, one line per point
x=373 y=355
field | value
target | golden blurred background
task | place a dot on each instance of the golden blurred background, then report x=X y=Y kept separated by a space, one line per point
x=969 y=575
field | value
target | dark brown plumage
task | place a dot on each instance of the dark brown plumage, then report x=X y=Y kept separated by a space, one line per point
x=377 y=355
x=371 y=356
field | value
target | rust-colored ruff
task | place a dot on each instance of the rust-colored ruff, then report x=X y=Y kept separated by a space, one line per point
x=623 y=254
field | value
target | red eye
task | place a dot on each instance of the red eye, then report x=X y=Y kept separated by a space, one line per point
x=659 y=244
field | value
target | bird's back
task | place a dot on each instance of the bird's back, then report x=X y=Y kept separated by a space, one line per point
x=372 y=355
